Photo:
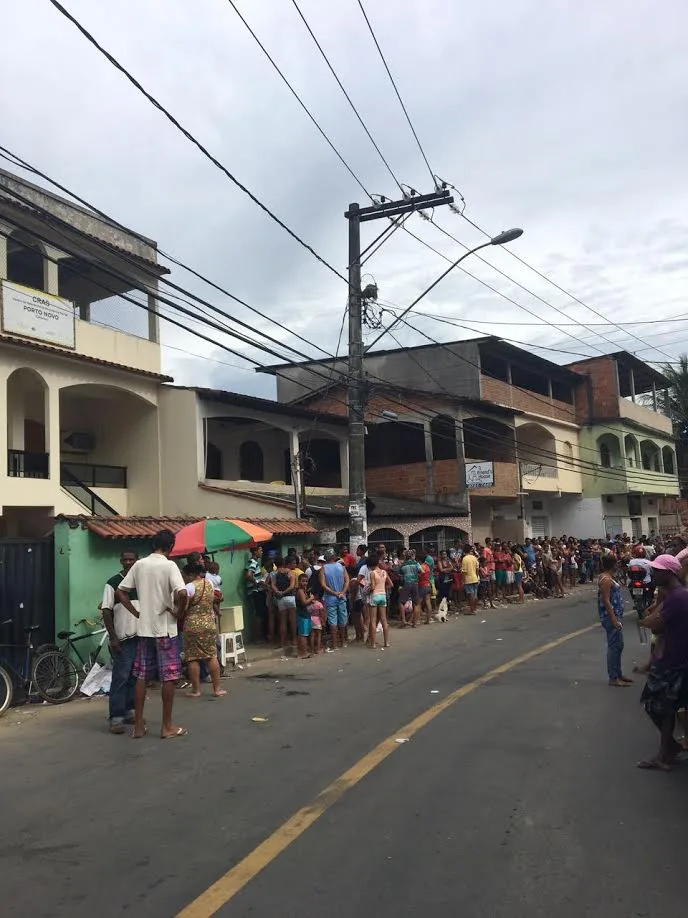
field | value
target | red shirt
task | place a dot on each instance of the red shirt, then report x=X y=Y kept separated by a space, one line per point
x=489 y=559
x=424 y=576
x=500 y=559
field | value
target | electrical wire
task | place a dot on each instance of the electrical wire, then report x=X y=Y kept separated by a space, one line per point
x=190 y=137
x=396 y=90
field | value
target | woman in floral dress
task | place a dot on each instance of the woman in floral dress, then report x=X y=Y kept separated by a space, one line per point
x=200 y=630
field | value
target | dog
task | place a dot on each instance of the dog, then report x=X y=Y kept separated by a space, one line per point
x=442 y=610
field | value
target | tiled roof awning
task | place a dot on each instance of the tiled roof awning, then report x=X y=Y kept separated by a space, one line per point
x=145 y=527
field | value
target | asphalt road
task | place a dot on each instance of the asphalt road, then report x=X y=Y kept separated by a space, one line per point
x=521 y=799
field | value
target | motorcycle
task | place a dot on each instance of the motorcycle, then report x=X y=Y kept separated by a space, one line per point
x=641 y=594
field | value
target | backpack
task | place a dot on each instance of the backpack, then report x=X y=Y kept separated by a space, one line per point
x=282 y=581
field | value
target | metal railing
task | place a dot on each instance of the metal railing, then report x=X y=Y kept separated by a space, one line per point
x=22 y=464
x=96 y=476
x=88 y=499
x=537 y=470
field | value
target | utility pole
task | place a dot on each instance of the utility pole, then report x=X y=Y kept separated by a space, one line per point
x=358 y=522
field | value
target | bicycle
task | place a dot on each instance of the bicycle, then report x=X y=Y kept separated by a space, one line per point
x=71 y=639
x=52 y=673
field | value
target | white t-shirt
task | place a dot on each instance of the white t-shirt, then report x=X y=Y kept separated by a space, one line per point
x=364 y=575
x=126 y=626
x=156 y=580
x=215 y=579
x=644 y=564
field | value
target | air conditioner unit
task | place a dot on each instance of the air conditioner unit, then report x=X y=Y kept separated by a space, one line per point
x=75 y=441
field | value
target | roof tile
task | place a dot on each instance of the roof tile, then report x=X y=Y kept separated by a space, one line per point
x=145 y=527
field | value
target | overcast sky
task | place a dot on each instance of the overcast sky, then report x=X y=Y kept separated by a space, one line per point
x=567 y=118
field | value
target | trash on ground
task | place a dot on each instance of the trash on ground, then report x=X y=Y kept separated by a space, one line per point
x=401 y=739
x=484 y=621
x=259 y=720
x=434 y=691
x=500 y=639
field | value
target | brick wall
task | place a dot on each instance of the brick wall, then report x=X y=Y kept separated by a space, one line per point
x=335 y=402
x=408 y=480
x=604 y=389
x=495 y=390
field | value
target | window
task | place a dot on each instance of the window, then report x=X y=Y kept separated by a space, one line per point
x=605 y=456
x=392 y=539
x=251 y=461
x=537 y=505
x=24 y=261
x=213 y=461
x=668 y=460
x=443 y=432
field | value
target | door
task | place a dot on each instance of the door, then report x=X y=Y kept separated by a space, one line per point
x=614 y=525
x=539 y=526
x=636 y=527
x=27 y=588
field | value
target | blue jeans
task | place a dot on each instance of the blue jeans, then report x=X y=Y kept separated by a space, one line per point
x=122 y=688
x=615 y=646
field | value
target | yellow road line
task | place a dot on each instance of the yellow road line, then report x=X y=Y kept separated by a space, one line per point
x=224 y=889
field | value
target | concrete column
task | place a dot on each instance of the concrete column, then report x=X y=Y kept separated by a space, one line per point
x=344 y=463
x=84 y=309
x=3 y=254
x=461 y=462
x=153 y=318
x=549 y=389
x=51 y=279
x=654 y=397
x=52 y=431
x=632 y=379
x=296 y=470
x=429 y=463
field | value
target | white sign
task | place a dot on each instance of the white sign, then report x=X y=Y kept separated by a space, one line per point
x=35 y=314
x=479 y=474
x=357 y=509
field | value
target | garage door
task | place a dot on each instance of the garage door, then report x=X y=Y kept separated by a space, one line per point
x=539 y=526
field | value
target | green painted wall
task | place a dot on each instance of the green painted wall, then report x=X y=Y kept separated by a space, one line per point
x=85 y=561
x=624 y=479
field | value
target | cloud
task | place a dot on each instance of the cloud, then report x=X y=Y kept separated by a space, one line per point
x=565 y=118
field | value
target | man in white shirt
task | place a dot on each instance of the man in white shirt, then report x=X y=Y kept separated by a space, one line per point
x=162 y=599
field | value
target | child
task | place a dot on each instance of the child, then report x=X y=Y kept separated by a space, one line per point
x=317 y=610
x=484 y=588
x=304 y=623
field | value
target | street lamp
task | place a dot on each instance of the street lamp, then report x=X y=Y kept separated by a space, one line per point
x=500 y=239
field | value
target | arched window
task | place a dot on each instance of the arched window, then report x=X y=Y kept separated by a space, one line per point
x=669 y=461
x=605 y=456
x=251 y=461
x=392 y=539
x=436 y=538
x=610 y=451
x=213 y=461
x=24 y=261
x=651 y=456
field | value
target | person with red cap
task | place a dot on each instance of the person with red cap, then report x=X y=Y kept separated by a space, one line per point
x=666 y=689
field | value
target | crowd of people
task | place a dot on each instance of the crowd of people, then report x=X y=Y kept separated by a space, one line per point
x=162 y=618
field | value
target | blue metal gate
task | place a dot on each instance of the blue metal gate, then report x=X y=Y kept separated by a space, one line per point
x=27 y=588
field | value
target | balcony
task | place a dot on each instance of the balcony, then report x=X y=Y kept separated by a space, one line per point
x=538 y=477
x=22 y=464
x=645 y=416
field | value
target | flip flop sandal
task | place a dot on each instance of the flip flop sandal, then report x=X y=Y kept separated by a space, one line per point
x=654 y=765
x=180 y=731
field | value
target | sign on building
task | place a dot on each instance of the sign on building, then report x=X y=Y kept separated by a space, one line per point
x=35 y=314
x=479 y=474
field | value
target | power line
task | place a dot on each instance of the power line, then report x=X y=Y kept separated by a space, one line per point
x=299 y=99
x=347 y=96
x=396 y=90
x=189 y=136
x=554 y=284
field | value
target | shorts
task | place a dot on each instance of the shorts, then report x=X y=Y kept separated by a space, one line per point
x=304 y=626
x=337 y=611
x=410 y=591
x=471 y=589
x=378 y=599
x=493 y=576
x=518 y=577
x=316 y=624
x=286 y=603
x=157 y=658
x=424 y=591
x=500 y=577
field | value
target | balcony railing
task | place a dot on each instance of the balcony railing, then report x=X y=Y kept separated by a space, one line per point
x=95 y=476
x=536 y=470
x=21 y=464
x=84 y=495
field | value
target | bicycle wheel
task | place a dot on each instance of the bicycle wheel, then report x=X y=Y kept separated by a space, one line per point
x=44 y=648
x=55 y=677
x=6 y=690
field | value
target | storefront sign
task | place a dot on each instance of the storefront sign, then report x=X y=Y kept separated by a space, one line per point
x=356 y=509
x=35 y=314
x=479 y=474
